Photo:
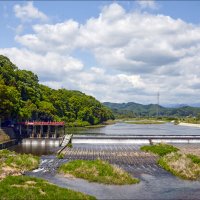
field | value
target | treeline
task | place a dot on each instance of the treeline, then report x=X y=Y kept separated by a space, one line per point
x=131 y=110
x=23 y=98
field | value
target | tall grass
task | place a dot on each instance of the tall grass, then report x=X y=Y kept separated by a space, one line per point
x=12 y=163
x=97 y=171
x=181 y=165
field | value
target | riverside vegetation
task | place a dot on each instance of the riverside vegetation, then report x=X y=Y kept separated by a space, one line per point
x=12 y=163
x=24 y=187
x=97 y=171
x=185 y=166
x=3 y=137
x=14 y=185
x=23 y=98
x=145 y=121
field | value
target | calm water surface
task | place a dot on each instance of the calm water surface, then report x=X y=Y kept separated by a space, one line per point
x=142 y=129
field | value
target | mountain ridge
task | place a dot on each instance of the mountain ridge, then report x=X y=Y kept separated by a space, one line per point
x=132 y=109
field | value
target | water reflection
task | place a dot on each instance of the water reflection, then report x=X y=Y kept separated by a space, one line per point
x=34 y=149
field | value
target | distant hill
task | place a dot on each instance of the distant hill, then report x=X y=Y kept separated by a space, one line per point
x=132 y=109
x=197 y=105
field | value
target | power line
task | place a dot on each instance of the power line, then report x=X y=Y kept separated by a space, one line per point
x=158 y=95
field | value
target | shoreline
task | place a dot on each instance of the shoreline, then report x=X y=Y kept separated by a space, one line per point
x=188 y=124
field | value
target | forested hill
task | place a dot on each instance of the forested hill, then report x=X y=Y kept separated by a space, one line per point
x=23 y=98
x=132 y=109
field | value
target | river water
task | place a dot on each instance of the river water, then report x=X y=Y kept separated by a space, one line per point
x=114 y=129
x=141 y=129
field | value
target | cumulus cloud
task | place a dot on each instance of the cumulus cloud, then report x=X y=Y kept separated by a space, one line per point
x=28 y=12
x=136 y=55
x=49 y=67
x=58 y=37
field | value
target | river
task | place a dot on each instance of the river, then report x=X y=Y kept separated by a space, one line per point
x=114 y=129
x=141 y=129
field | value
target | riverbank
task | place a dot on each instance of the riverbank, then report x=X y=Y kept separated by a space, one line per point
x=189 y=124
x=9 y=143
x=145 y=122
x=13 y=182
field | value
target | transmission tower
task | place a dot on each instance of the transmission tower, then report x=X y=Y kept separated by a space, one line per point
x=158 y=96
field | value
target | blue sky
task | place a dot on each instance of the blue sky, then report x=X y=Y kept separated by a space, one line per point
x=117 y=51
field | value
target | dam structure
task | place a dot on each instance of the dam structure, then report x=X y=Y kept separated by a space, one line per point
x=41 y=133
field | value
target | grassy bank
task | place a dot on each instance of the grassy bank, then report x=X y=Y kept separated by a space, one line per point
x=96 y=126
x=12 y=163
x=185 y=166
x=97 y=171
x=3 y=137
x=23 y=187
x=145 y=122
x=181 y=165
x=160 y=149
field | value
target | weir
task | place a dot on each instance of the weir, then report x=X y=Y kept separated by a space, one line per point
x=136 y=139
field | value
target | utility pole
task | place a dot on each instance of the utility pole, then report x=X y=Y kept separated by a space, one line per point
x=158 y=95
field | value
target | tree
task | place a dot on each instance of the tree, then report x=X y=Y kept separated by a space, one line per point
x=9 y=101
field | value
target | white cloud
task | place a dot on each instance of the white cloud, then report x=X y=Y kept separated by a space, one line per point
x=28 y=12
x=49 y=67
x=59 y=37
